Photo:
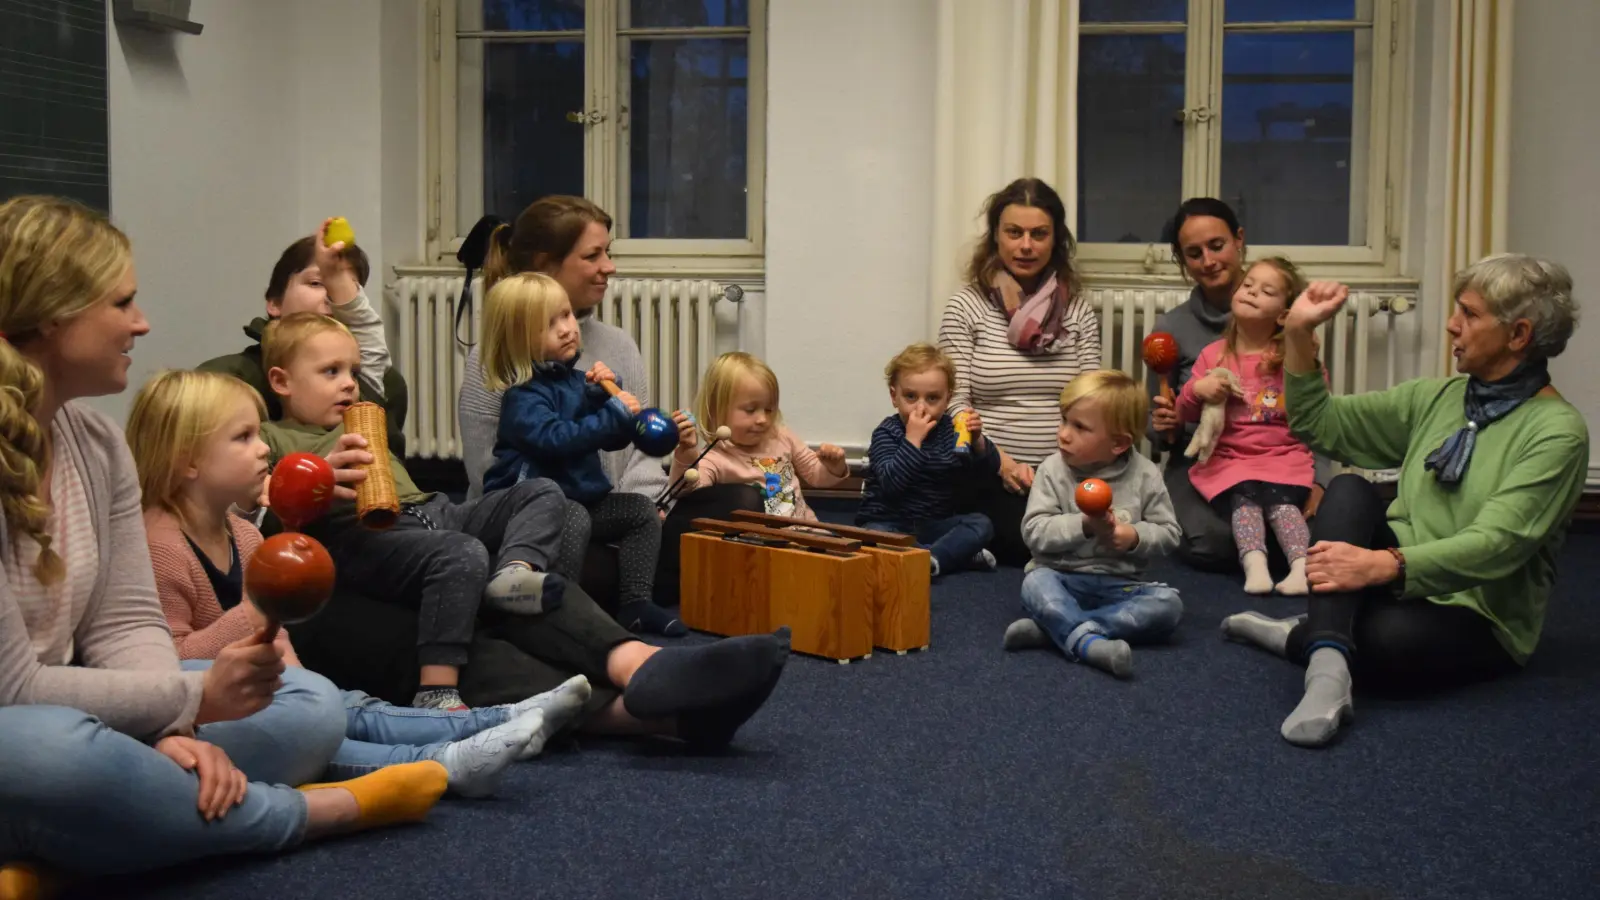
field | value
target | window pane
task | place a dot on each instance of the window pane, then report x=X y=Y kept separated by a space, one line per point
x=1294 y=138
x=515 y=143
x=687 y=13
x=686 y=130
x=1295 y=10
x=525 y=15
x=1130 y=146
x=1133 y=11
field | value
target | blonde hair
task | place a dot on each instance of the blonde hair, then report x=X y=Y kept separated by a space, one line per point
x=1294 y=286
x=516 y=318
x=284 y=337
x=920 y=358
x=1122 y=400
x=721 y=380
x=58 y=259
x=173 y=416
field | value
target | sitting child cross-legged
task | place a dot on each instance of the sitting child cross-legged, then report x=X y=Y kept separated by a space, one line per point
x=1082 y=592
x=914 y=462
x=436 y=557
x=555 y=418
x=196 y=446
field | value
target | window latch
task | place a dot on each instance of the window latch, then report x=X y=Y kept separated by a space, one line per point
x=592 y=117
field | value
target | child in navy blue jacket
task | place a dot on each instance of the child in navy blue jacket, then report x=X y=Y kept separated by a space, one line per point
x=555 y=418
x=916 y=457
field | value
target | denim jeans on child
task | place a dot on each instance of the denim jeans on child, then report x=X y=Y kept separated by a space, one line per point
x=1071 y=606
x=953 y=541
x=381 y=734
x=79 y=796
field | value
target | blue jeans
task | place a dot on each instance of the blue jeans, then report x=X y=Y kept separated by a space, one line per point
x=1070 y=607
x=378 y=733
x=79 y=796
x=953 y=541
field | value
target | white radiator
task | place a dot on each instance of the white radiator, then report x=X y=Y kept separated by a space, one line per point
x=672 y=321
x=1363 y=349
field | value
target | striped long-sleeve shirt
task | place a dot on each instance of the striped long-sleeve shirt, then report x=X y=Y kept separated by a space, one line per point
x=906 y=484
x=1018 y=394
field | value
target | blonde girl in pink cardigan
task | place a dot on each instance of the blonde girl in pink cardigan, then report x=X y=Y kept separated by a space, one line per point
x=197 y=446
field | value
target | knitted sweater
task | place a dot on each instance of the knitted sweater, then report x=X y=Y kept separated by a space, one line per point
x=200 y=626
x=1052 y=527
x=120 y=665
x=478 y=411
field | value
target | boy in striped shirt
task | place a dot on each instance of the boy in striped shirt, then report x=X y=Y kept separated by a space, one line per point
x=915 y=460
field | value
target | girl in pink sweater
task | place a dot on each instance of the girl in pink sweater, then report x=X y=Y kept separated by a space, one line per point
x=741 y=392
x=1258 y=472
x=196 y=443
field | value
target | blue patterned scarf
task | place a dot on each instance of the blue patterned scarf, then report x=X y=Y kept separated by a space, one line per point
x=1487 y=402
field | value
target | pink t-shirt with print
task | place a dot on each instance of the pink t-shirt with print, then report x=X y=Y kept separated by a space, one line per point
x=1255 y=445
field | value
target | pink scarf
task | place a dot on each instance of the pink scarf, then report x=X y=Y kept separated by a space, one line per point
x=1035 y=319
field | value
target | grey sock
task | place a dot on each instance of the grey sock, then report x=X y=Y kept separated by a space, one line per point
x=1113 y=656
x=520 y=590
x=476 y=764
x=1326 y=704
x=1271 y=635
x=1025 y=634
x=560 y=706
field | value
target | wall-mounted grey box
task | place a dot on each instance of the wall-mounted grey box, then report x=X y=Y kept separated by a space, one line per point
x=160 y=15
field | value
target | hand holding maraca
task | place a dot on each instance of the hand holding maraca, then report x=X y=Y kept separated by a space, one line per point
x=242 y=680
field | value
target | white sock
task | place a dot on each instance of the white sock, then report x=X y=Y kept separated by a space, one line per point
x=1257 y=580
x=985 y=561
x=476 y=764
x=933 y=566
x=1326 y=704
x=560 y=706
x=1295 y=585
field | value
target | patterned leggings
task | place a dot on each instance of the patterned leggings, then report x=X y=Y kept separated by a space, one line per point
x=1250 y=533
x=628 y=520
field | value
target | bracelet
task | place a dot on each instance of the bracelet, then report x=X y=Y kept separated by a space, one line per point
x=1399 y=583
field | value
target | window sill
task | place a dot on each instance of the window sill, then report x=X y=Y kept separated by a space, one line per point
x=1399 y=284
x=744 y=272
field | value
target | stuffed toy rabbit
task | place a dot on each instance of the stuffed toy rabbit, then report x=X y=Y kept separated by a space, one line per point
x=1213 y=418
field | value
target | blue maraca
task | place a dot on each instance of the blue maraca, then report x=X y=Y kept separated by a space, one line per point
x=655 y=433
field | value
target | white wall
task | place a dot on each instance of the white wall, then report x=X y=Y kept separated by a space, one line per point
x=227 y=145
x=849 y=164
x=1555 y=174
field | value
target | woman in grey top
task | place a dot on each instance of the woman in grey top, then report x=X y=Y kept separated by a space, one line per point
x=107 y=745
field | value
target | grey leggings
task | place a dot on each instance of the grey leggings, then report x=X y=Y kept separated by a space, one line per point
x=628 y=520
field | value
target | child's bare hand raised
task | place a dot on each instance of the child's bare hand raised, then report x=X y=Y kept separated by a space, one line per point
x=688 y=434
x=350 y=452
x=833 y=458
x=918 y=425
x=600 y=372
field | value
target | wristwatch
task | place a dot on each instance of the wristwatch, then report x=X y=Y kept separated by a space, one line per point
x=1398 y=586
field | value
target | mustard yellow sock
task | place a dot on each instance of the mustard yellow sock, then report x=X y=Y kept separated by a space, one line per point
x=395 y=794
x=28 y=881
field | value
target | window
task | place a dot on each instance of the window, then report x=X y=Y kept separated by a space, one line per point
x=653 y=109
x=1286 y=109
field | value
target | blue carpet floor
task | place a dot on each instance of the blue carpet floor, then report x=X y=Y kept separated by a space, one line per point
x=968 y=772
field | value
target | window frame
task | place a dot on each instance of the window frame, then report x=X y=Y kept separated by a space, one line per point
x=604 y=142
x=1388 y=127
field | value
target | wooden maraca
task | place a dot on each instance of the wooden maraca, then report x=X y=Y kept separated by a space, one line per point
x=1161 y=355
x=301 y=489
x=289 y=578
x=655 y=432
x=1093 y=497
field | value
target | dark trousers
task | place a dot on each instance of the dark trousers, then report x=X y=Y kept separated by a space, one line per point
x=1392 y=644
x=953 y=541
x=628 y=521
x=986 y=494
x=436 y=559
x=719 y=501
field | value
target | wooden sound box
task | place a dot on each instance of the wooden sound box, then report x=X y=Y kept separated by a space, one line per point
x=901 y=579
x=746 y=578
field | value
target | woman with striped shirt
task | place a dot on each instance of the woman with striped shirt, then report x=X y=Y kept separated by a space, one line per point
x=1018 y=332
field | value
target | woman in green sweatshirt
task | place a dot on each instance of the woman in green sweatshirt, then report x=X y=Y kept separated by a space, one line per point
x=1449 y=583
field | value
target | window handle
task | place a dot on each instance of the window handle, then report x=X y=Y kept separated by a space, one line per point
x=1189 y=116
x=592 y=117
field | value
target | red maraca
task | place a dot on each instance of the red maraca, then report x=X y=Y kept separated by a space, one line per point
x=301 y=489
x=1093 y=497
x=1161 y=355
x=289 y=578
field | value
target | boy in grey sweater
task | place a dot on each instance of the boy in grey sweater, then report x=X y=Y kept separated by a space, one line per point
x=1082 y=591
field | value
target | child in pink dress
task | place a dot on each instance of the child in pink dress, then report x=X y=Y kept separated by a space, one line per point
x=1258 y=472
